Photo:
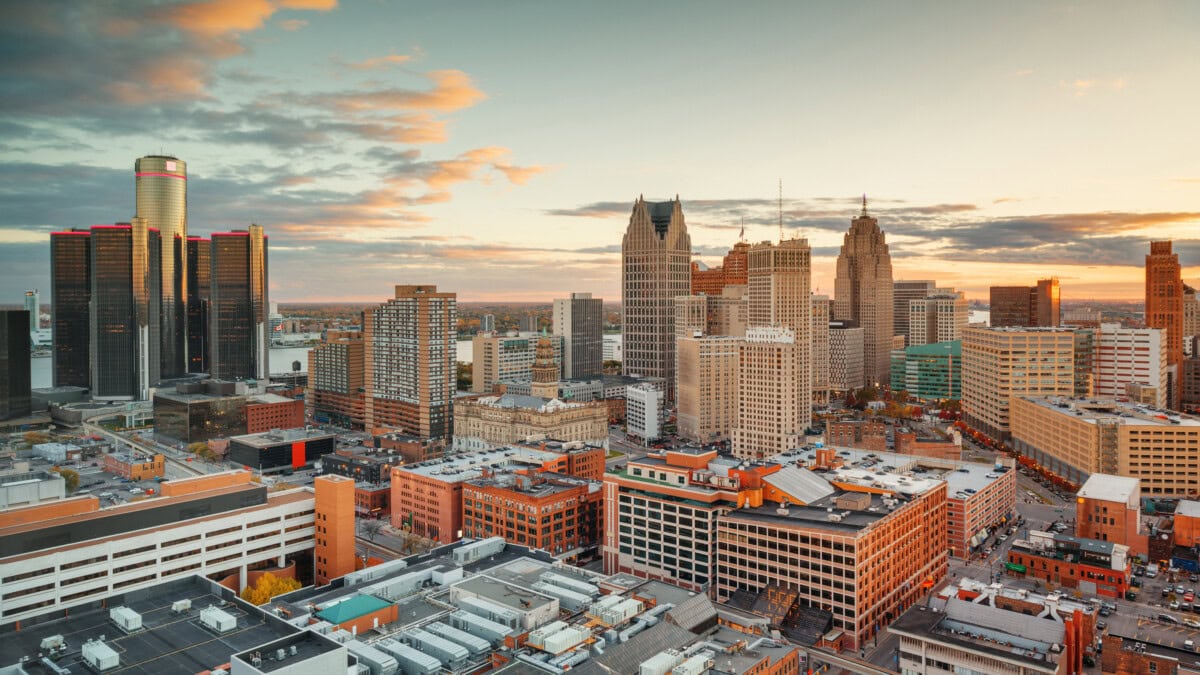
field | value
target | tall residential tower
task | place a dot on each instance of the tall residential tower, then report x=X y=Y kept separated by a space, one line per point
x=863 y=292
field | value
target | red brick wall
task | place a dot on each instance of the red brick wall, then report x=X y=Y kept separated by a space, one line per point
x=262 y=417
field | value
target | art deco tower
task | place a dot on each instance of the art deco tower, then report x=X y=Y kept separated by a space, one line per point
x=161 y=186
x=655 y=268
x=779 y=277
x=862 y=292
x=1164 y=308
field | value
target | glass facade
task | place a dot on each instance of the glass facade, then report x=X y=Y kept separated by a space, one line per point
x=238 y=326
x=161 y=185
x=198 y=270
x=70 y=272
x=14 y=363
x=124 y=310
x=199 y=419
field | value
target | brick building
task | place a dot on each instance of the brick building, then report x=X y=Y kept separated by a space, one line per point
x=361 y=464
x=134 y=467
x=265 y=412
x=1108 y=508
x=937 y=447
x=336 y=383
x=1092 y=566
x=862 y=434
x=558 y=514
x=732 y=272
x=373 y=500
x=1126 y=655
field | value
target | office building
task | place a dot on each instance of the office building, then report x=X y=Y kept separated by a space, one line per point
x=15 y=364
x=1026 y=306
x=239 y=341
x=281 y=449
x=200 y=411
x=336 y=380
x=708 y=386
x=161 y=201
x=199 y=273
x=410 y=362
x=124 y=311
x=487 y=323
x=1124 y=357
x=656 y=267
x=771 y=417
x=1191 y=313
x=579 y=319
x=363 y=464
x=221 y=526
x=1076 y=438
x=1002 y=364
x=939 y=317
x=486 y=422
x=643 y=412
x=903 y=292
x=71 y=288
x=33 y=305
x=1109 y=508
x=929 y=371
x=863 y=292
x=821 y=385
x=846 y=356
x=732 y=272
x=568 y=510
x=861 y=542
x=507 y=358
x=779 y=296
x=997 y=630
x=1164 y=309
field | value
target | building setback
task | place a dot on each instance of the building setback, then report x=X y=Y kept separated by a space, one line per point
x=124 y=311
x=656 y=256
x=410 y=362
x=239 y=343
x=863 y=292
x=71 y=288
x=579 y=319
x=732 y=272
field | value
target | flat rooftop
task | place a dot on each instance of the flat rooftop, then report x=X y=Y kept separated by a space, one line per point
x=996 y=632
x=458 y=468
x=817 y=514
x=504 y=593
x=959 y=476
x=267 y=439
x=268 y=398
x=1109 y=488
x=1122 y=412
x=167 y=642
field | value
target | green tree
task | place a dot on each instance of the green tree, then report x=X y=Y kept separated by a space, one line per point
x=70 y=477
x=197 y=448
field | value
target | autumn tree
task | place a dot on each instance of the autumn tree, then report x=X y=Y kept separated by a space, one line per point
x=267 y=587
x=371 y=528
x=70 y=477
x=36 y=437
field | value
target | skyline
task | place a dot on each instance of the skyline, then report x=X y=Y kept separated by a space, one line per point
x=379 y=149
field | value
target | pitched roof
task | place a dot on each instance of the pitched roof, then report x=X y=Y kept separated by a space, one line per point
x=349 y=610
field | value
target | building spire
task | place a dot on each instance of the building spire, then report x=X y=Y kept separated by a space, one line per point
x=780 y=209
x=864 y=210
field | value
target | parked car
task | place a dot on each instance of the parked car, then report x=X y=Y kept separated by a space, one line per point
x=1195 y=578
x=1174 y=605
x=1167 y=618
x=1191 y=623
x=1189 y=596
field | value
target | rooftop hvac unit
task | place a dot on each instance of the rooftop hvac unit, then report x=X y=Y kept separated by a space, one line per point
x=537 y=637
x=476 y=645
x=220 y=671
x=126 y=619
x=217 y=620
x=181 y=606
x=412 y=661
x=53 y=642
x=661 y=663
x=697 y=665
x=570 y=583
x=100 y=656
x=565 y=639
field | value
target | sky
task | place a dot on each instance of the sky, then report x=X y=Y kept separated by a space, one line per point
x=496 y=148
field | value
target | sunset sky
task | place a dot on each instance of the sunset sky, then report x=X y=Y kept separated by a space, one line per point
x=496 y=148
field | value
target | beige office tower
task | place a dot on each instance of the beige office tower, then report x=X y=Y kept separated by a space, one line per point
x=1191 y=312
x=410 y=362
x=779 y=279
x=820 y=349
x=727 y=312
x=863 y=292
x=905 y=291
x=999 y=364
x=708 y=385
x=940 y=317
x=769 y=412
x=845 y=356
x=691 y=316
x=655 y=268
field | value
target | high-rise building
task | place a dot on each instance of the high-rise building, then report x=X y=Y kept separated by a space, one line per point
x=1164 y=308
x=820 y=349
x=707 y=390
x=771 y=418
x=1125 y=357
x=1000 y=364
x=71 y=289
x=410 y=362
x=579 y=319
x=14 y=363
x=938 y=317
x=335 y=380
x=863 y=292
x=846 y=369
x=528 y=323
x=161 y=187
x=33 y=305
x=199 y=272
x=487 y=323
x=779 y=281
x=1191 y=312
x=903 y=292
x=930 y=371
x=731 y=273
x=501 y=358
x=1026 y=306
x=124 y=311
x=239 y=343
x=655 y=268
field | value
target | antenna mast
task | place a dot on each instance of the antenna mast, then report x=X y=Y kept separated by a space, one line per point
x=781 y=210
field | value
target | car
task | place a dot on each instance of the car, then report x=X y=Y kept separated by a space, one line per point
x=1180 y=590
x=1189 y=596
x=1166 y=591
x=1104 y=611
x=1002 y=538
x=1100 y=625
x=1131 y=595
x=1174 y=605
x=1191 y=623
x=1194 y=578
x=1167 y=618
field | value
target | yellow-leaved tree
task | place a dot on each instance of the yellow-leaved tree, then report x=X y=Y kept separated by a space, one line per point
x=267 y=587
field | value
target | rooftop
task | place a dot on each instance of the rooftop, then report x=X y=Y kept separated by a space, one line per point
x=999 y=633
x=352 y=608
x=961 y=478
x=277 y=436
x=821 y=514
x=1122 y=412
x=504 y=593
x=1109 y=488
x=268 y=398
x=1188 y=508
x=458 y=468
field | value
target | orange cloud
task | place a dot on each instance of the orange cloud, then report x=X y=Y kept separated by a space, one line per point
x=162 y=80
x=377 y=62
x=452 y=90
x=217 y=17
x=319 y=5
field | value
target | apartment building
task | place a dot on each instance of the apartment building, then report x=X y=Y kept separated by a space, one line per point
x=1076 y=438
x=63 y=554
x=487 y=422
x=336 y=383
x=507 y=358
x=707 y=389
x=1123 y=357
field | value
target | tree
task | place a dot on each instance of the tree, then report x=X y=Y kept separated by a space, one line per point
x=464 y=376
x=36 y=437
x=197 y=448
x=371 y=528
x=70 y=477
x=267 y=587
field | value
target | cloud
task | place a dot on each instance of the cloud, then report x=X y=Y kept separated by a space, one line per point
x=292 y=24
x=376 y=62
x=452 y=90
x=216 y=17
x=1082 y=86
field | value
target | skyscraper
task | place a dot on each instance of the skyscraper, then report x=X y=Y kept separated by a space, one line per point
x=545 y=370
x=732 y=272
x=335 y=380
x=410 y=362
x=161 y=187
x=939 y=317
x=124 y=312
x=779 y=279
x=14 y=364
x=239 y=339
x=820 y=349
x=33 y=305
x=487 y=323
x=1026 y=306
x=770 y=416
x=1164 y=308
x=863 y=292
x=1001 y=363
x=904 y=291
x=199 y=270
x=580 y=320
x=655 y=268
x=70 y=288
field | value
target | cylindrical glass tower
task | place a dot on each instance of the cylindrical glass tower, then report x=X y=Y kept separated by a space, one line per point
x=162 y=201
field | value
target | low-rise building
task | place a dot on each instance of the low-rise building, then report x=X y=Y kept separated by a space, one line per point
x=1108 y=508
x=361 y=464
x=281 y=449
x=57 y=453
x=1094 y=567
x=135 y=466
x=551 y=512
x=487 y=422
x=200 y=411
x=1134 y=655
x=26 y=488
x=271 y=411
x=938 y=446
x=373 y=500
x=860 y=434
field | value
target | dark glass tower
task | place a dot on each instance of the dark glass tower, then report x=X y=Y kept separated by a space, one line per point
x=161 y=186
x=70 y=287
x=238 y=323
x=14 y=363
x=199 y=252
x=125 y=305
